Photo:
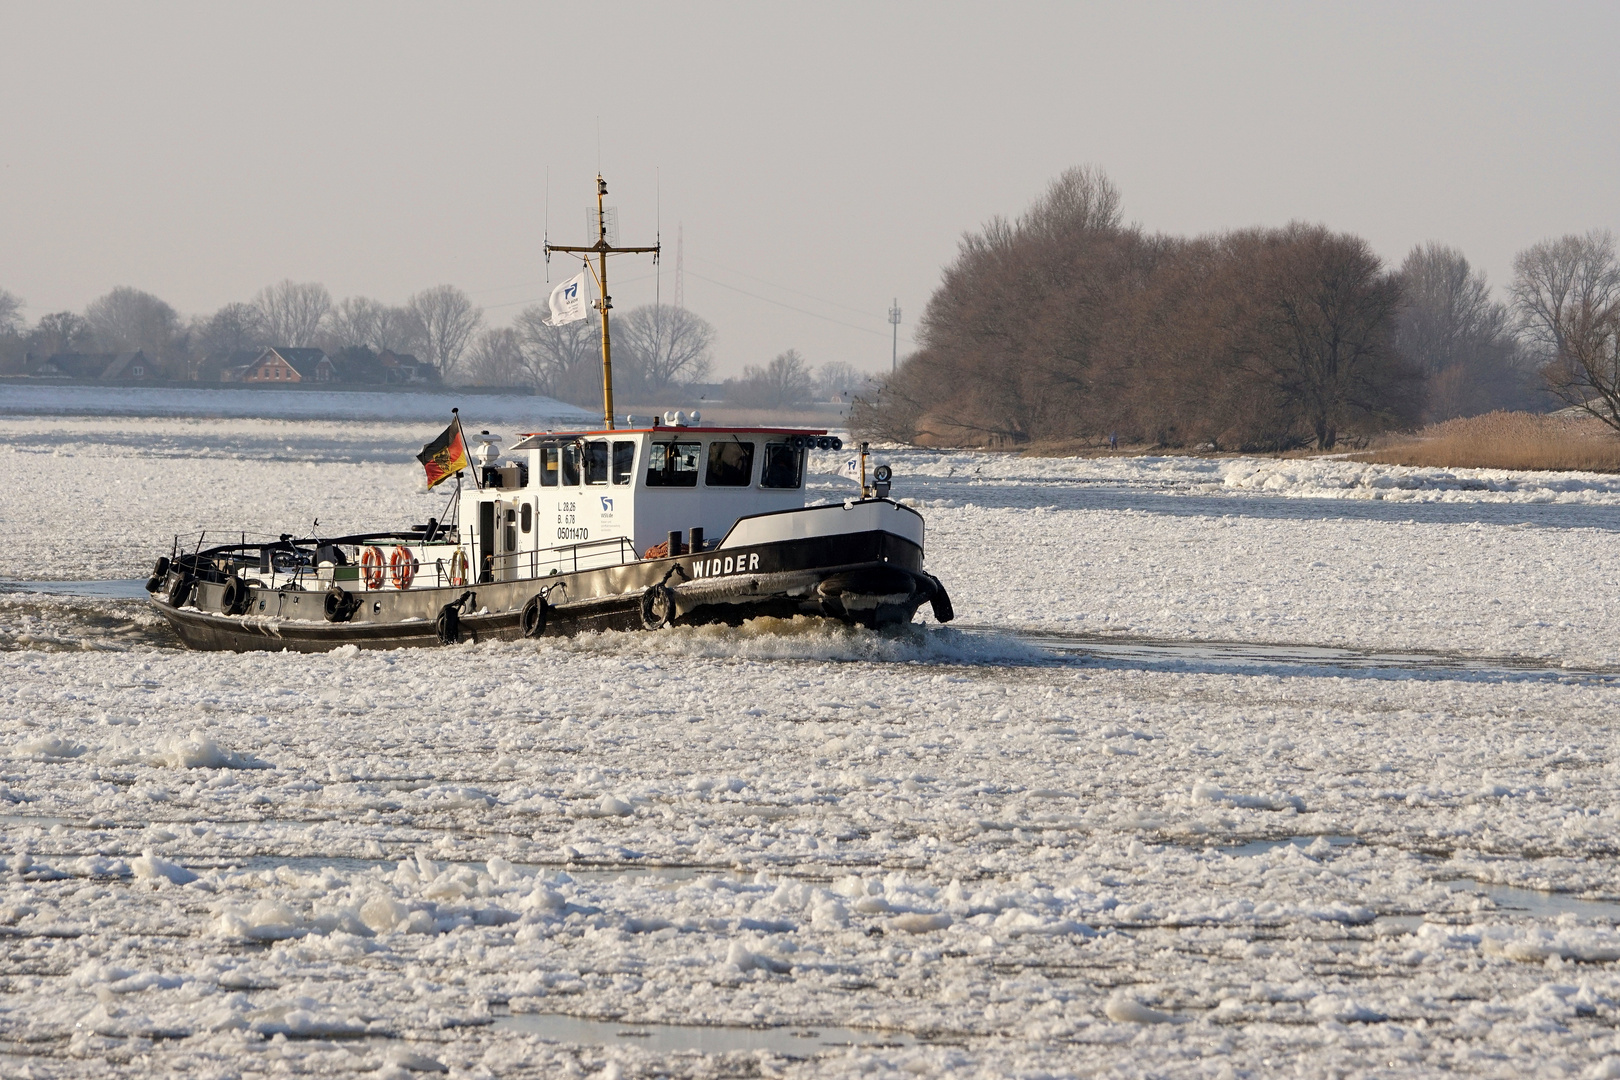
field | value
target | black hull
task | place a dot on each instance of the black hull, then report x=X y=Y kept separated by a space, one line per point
x=873 y=578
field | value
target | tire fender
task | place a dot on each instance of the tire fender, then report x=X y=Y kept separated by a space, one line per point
x=339 y=605
x=657 y=607
x=449 y=625
x=534 y=616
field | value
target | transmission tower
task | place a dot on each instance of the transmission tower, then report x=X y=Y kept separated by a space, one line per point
x=894 y=321
x=680 y=269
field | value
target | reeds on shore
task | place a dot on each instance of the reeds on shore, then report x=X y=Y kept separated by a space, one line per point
x=1507 y=440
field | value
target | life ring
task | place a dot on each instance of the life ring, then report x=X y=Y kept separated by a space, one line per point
x=402 y=567
x=458 y=568
x=371 y=566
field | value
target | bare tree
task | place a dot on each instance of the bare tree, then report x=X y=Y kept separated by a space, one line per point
x=11 y=312
x=838 y=381
x=562 y=361
x=294 y=312
x=233 y=328
x=663 y=345
x=447 y=320
x=1325 y=322
x=128 y=318
x=1567 y=292
x=60 y=331
x=1457 y=337
x=1555 y=276
x=355 y=321
x=496 y=359
x=782 y=383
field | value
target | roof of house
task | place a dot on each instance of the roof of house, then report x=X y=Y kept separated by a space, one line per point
x=76 y=365
x=302 y=361
x=121 y=364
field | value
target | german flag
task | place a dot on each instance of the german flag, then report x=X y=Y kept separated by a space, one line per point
x=446 y=455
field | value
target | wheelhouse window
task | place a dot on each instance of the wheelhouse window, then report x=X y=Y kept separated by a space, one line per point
x=731 y=464
x=570 y=465
x=549 y=458
x=624 y=461
x=673 y=464
x=528 y=517
x=783 y=468
x=596 y=461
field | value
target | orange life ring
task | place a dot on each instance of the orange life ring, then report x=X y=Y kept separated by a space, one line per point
x=371 y=567
x=402 y=567
x=458 y=568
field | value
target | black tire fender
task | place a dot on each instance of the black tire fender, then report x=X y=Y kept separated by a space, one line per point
x=940 y=601
x=449 y=625
x=534 y=615
x=339 y=604
x=657 y=607
x=235 y=597
x=160 y=570
x=181 y=591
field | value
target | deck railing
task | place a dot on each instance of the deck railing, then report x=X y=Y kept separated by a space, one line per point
x=588 y=555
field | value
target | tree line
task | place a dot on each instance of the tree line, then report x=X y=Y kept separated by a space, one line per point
x=1067 y=324
x=657 y=349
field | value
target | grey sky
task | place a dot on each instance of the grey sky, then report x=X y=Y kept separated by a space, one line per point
x=203 y=151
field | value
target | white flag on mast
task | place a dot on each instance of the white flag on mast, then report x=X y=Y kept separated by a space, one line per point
x=852 y=469
x=568 y=301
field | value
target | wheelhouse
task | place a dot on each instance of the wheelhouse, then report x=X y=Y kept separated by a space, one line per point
x=560 y=490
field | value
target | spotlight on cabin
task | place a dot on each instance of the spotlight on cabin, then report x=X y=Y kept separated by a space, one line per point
x=881 y=476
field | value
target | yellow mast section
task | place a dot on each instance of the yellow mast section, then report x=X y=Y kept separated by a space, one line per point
x=602 y=249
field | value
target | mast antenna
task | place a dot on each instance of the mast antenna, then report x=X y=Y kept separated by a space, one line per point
x=680 y=265
x=601 y=250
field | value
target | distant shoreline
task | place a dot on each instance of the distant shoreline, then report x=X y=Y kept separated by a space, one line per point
x=259 y=388
x=483 y=407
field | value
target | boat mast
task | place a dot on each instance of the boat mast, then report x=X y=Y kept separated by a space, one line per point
x=602 y=249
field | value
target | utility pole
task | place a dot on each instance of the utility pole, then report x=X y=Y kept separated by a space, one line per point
x=602 y=249
x=894 y=321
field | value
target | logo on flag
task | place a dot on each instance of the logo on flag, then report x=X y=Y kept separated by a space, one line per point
x=446 y=455
x=852 y=469
x=568 y=301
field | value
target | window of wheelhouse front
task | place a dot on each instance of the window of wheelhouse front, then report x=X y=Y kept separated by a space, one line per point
x=624 y=461
x=673 y=464
x=731 y=464
x=570 y=465
x=549 y=458
x=783 y=468
x=596 y=461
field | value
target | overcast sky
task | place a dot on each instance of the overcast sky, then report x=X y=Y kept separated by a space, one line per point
x=822 y=159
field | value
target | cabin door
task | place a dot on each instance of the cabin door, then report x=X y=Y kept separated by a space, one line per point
x=507 y=556
x=486 y=540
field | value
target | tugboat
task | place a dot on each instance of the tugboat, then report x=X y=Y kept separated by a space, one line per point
x=568 y=531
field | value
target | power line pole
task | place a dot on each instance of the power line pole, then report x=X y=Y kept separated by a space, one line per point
x=894 y=321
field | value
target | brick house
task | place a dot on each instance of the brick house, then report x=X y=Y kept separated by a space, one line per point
x=282 y=365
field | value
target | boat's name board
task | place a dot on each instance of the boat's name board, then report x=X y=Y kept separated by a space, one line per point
x=729 y=564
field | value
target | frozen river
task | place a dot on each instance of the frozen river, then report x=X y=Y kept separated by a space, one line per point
x=1238 y=768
